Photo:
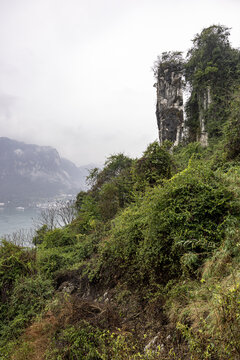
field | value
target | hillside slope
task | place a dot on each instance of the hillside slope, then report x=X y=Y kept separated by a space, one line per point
x=32 y=172
x=150 y=267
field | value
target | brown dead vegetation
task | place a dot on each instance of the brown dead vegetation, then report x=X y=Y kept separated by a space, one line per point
x=37 y=338
x=70 y=310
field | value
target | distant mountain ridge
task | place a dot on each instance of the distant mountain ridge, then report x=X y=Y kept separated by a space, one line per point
x=29 y=172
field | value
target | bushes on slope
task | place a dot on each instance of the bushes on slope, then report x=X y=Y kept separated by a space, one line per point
x=232 y=129
x=23 y=294
x=173 y=229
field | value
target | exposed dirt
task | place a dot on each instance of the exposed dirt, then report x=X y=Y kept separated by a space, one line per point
x=37 y=337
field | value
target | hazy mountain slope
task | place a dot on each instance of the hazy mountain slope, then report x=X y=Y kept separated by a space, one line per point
x=30 y=171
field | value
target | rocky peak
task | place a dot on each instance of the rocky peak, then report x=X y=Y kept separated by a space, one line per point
x=169 y=107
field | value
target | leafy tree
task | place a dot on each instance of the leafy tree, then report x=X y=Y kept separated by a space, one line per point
x=111 y=188
x=168 y=59
x=211 y=69
x=114 y=166
x=154 y=166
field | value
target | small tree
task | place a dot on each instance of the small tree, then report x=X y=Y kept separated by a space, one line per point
x=57 y=215
x=168 y=59
x=47 y=217
x=111 y=187
x=66 y=212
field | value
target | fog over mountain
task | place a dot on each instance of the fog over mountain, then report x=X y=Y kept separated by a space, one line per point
x=30 y=172
x=79 y=71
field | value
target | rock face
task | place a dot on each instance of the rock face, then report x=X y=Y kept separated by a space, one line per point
x=204 y=101
x=29 y=172
x=169 y=108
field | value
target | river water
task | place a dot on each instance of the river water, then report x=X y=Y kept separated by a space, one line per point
x=13 y=219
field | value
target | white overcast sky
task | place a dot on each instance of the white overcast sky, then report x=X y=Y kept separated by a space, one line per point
x=76 y=74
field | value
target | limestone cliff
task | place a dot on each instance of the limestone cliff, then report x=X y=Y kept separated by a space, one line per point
x=169 y=73
x=169 y=107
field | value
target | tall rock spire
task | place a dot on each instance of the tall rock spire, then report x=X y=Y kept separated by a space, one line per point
x=169 y=107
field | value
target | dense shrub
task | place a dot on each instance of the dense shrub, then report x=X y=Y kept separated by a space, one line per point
x=50 y=261
x=66 y=252
x=29 y=296
x=173 y=228
x=27 y=300
x=89 y=213
x=23 y=294
x=232 y=129
x=39 y=235
x=15 y=262
x=154 y=166
x=58 y=238
x=82 y=342
x=114 y=166
x=108 y=201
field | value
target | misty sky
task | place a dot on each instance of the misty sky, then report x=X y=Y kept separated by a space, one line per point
x=76 y=74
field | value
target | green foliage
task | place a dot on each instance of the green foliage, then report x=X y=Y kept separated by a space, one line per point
x=212 y=66
x=162 y=229
x=39 y=235
x=111 y=190
x=89 y=213
x=188 y=217
x=23 y=294
x=29 y=296
x=154 y=166
x=113 y=187
x=173 y=229
x=27 y=300
x=207 y=310
x=58 y=238
x=50 y=261
x=232 y=129
x=210 y=56
x=114 y=166
x=15 y=262
x=53 y=256
x=168 y=59
x=215 y=333
x=108 y=200
x=58 y=250
x=183 y=153
x=80 y=199
x=83 y=342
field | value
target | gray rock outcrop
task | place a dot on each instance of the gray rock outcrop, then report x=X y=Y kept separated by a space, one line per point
x=169 y=72
x=169 y=107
